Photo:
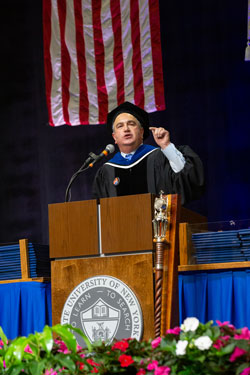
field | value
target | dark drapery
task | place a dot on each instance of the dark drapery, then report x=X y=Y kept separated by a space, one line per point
x=207 y=88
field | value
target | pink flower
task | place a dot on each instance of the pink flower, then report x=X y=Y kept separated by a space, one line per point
x=221 y=342
x=121 y=345
x=246 y=371
x=81 y=365
x=225 y=338
x=238 y=352
x=28 y=349
x=227 y=323
x=174 y=331
x=156 y=342
x=141 y=372
x=245 y=334
x=50 y=372
x=92 y=363
x=162 y=370
x=125 y=360
x=218 y=344
x=153 y=365
x=62 y=347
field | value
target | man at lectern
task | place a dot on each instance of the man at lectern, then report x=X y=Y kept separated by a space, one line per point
x=140 y=168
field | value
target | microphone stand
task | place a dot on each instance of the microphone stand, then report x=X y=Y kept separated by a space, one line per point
x=89 y=162
x=84 y=167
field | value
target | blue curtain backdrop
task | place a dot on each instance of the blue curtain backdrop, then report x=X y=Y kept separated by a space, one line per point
x=25 y=308
x=216 y=295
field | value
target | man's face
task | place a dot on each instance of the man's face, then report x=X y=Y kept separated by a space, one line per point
x=127 y=132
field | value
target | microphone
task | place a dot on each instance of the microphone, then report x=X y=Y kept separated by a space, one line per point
x=109 y=149
x=89 y=162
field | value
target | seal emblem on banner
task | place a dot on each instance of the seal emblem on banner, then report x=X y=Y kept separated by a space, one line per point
x=104 y=308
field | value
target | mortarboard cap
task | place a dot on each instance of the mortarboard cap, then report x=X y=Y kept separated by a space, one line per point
x=137 y=112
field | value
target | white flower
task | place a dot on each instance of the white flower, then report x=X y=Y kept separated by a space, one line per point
x=190 y=324
x=181 y=347
x=203 y=342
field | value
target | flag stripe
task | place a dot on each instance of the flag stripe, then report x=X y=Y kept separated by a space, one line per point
x=65 y=60
x=81 y=63
x=70 y=41
x=90 y=61
x=108 y=41
x=156 y=54
x=118 y=60
x=127 y=51
x=55 y=52
x=136 y=59
x=99 y=58
x=47 y=60
x=146 y=55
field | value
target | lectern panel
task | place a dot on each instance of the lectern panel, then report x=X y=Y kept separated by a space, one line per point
x=136 y=271
x=73 y=229
x=126 y=223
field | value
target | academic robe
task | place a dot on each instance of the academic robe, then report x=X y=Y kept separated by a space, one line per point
x=149 y=171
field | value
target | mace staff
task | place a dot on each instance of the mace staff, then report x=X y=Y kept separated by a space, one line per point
x=160 y=226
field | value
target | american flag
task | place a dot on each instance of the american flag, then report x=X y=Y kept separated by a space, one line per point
x=98 y=54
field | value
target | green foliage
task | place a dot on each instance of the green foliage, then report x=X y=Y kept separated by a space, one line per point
x=196 y=348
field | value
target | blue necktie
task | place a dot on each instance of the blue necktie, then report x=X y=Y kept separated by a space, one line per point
x=128 y=156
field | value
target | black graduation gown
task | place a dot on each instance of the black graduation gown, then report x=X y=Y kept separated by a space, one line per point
x=149 y=171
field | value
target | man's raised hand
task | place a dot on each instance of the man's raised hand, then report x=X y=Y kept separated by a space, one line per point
x=161 y=137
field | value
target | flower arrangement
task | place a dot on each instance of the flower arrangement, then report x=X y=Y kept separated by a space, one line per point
x=194 y=348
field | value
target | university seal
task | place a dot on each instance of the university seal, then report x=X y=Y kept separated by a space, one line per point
x=104 y=308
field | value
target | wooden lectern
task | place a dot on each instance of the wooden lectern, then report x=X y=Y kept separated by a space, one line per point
x=113 y=238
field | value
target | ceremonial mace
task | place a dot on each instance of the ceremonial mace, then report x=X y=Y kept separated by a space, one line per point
x=160 y=226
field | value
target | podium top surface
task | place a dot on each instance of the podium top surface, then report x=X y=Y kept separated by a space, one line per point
x=120 y=224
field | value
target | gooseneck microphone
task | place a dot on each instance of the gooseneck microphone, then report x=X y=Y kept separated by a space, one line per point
x=109 y=149
x=91 y=160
